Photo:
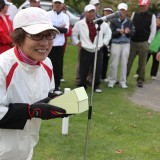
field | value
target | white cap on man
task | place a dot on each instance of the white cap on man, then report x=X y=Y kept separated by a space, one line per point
x=122 y=6
x=33 y=20
x=36 y=0
x=89 y=7
x=61 y=1
x=93 y=2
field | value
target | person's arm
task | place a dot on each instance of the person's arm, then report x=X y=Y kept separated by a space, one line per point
x=131 y=28
x=153 y=28
x=75 y=34
x=63 y=29
x=107 y=34
x=158 y=55
x=116 y=30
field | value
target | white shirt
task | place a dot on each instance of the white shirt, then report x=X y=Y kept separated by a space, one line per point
x=59 y=20
x=24 y=84
x=12 y=11
x=80 y=33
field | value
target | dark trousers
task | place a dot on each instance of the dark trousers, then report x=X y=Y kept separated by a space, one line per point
x=155 y=64
x=106 y=55
x=56 y=56
x=87 y=61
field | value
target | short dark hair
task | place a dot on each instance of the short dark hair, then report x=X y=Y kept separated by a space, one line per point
x=18 y=36
x=2 y=4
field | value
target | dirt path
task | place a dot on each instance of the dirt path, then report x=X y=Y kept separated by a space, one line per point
x=149 y=95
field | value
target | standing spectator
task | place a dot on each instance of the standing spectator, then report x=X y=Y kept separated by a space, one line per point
x=97 y=6
x=84 y=35
x=26 y=80
x=155 y=63
x=35 y=3
x=68 y=34
x=145 y=30
x=106 y=49
x=12 y=10
x=5 y=27
x=59 y=21
x=122 y=30
x=89 y=77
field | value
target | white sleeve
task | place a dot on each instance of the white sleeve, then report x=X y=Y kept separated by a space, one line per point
x=75 y=33
x=153 y=28
x=3 y=95
x=107 y=34
x=66 y=19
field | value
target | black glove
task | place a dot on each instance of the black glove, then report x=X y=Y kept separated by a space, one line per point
x=45 y=111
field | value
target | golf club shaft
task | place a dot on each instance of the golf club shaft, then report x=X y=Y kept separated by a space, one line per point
x=91 y=99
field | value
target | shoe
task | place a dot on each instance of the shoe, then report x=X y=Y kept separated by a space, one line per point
x=140 y=84
x=135 y=76
x=62 y=80
x=98 y=90
x=110 y=84
x=123 y=85
x=104 y=80
x=153 y=77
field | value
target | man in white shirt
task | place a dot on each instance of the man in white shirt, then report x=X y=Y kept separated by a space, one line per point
x=61 y=23
x=12 y=10
x=84 y=35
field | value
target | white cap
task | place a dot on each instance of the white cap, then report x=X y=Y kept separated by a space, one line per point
x=36 y=0
x=7 y=3
x=108 y=9
x=62 y=1
x=89 y=7
x=122 y=6
x=93 y=2
x=33 y=20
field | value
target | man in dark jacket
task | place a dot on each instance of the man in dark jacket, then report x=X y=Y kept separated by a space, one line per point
x=145 y=30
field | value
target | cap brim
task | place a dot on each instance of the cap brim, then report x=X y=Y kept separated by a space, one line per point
x=38 y=28
x=107 y=9
x=8 y=3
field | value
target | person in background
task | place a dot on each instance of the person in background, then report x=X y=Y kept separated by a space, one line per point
x=89 y=77
x=12 y=10
x=106 y=49
x=26 y=84
x=35 y=3
x=61 y=22
x=5 y=27
x=84 y=35
x=68 y=34
x=145 y=30
x=97 y=6
x=155 y=63
x=122 y=31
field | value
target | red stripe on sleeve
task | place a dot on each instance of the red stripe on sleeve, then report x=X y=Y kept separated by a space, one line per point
x=49 y=71
x=10 y=75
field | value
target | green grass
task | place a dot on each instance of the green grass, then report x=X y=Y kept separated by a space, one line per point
x=116 y=124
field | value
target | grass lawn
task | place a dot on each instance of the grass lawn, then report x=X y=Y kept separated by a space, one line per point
x=120 y=130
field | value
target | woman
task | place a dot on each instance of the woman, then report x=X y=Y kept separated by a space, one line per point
x=5 y=27
x=122 y=30
x=106 y=49
x=26 y=80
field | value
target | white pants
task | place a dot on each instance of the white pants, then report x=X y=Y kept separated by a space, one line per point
x=119 y=52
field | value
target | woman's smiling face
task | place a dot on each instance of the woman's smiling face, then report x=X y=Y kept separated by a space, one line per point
x=37 y=50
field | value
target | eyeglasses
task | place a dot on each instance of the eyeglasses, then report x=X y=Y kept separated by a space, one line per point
x=40 y=36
